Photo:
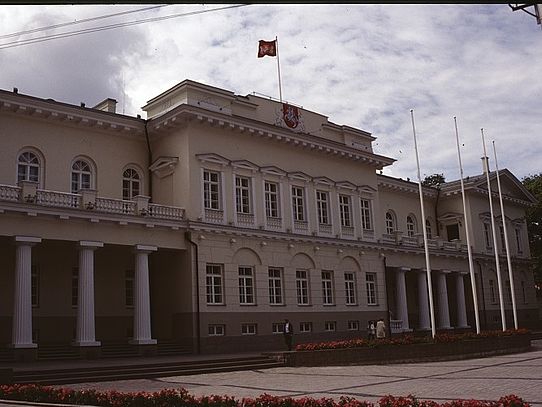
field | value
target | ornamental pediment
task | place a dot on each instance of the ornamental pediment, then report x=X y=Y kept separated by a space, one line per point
x=213 y=158
x=324 y=181
x=245 y=165
x=272 y=170
x=298 y=175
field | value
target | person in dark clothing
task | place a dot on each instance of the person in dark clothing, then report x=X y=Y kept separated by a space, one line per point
x=288 y=334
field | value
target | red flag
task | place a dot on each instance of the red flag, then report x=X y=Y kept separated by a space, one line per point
x=267 y=48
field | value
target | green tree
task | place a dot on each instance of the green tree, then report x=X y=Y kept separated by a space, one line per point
x=433 y=180
x=534 y=224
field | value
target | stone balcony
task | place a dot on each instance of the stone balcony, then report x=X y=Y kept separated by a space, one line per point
x=398 y=239
x=87 y=200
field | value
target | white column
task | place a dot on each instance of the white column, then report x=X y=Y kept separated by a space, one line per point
x=86 y=332
x=442 y=294
x=402 y=304
x=22 y=304
x=460 y=298
x=423 y=301
x=142 y=303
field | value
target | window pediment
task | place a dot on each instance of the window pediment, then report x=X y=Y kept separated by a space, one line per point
x=164 y=166
x=298 y=175
x=213 y=158
x=245 y=165
x=324 y=181
x=347 y=185
x=272 y=170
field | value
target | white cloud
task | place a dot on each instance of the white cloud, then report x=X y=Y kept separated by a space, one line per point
x=361 y=65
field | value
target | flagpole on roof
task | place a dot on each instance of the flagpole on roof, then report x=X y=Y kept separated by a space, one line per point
x=497 y=262
x=278 y=67
x=467 y=233
x=426 y=247
x=509 y=262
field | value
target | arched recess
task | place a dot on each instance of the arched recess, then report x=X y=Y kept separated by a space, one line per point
x=132 y=181
x=303 y=261
x=349 y=263
x=247 y=257
x=411 y=225
x=77 y=173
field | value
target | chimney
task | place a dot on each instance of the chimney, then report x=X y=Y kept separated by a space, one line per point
x=485 y=164
x=107 y=105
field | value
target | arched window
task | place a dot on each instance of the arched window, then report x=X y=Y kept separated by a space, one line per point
x=390 y=223
x=410 y=225
x=81 y=176
x=28 y=167
x=428 y=229
x=130 y=184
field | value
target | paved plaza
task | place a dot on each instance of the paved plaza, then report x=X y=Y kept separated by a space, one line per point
x=480 y=379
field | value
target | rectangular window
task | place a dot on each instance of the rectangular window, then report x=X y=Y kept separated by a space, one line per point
x=350 y=288
x=305 y=327
x=35 y=284
x=330 y=326
x=275 y=286
x=298 y=203
x=211 y=190
x=249 y=329
x=487 y=235
x=327 y=287
x=492 y=292
x=322 y=203
x=345 y=211
x=216 y=330
x=271 y=199
x=278 y=327
x=353 y=325
x=246 y=285
x=242 y=195
x=366 y=222
x=75 y=286
x=452 y=231
x=518 y=241
x=302 y=287
x=129 y=288
x=370 y=281
x=213 y=283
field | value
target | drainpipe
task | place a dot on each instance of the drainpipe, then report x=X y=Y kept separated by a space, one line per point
x=149 y=152
x=387 y=293
x=482 y=292
x=196 y=269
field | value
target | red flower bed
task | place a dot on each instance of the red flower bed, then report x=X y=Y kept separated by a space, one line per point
x=181 y=398
x=407 y=339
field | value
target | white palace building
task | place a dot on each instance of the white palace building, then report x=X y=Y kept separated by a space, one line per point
x=220 y=215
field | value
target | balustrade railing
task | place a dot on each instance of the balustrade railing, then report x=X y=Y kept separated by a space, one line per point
x=111 y=205
x=57 y=199
x=410 y=241
x=274 y=223
x=325 y=228
x=214 y=216
x=347 y=230
x=165 y=212
x=9 y=193
x=301 y=226
x=245 y=219
x=396 y=326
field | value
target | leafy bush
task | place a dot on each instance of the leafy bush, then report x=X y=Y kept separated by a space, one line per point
x=408 y=339
x=181 y=398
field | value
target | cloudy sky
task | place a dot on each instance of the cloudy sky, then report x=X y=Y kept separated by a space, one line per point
x=361 y=65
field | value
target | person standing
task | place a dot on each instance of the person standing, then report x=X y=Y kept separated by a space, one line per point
x=380 y=329
x=371 y=329
x=288 y=334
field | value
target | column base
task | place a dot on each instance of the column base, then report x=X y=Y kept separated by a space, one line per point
x=143 y=342
x=463 y=327
x=445 y=327
x=23 y=345
x=424 y=328
x=145 y=347
x=86 y=344
x=28 y=354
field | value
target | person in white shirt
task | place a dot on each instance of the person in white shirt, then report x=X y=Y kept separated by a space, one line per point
x=288 y=334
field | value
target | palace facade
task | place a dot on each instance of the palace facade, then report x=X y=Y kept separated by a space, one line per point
x=220 y=215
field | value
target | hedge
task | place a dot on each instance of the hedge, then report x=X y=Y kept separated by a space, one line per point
x=181 y=398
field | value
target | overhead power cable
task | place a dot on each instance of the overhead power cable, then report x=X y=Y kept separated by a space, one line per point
x=19 y=43
x=85 y=20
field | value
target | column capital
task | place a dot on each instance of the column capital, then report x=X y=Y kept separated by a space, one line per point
x=462 y=273
x=141 y=248
x=88 y=244
x=27 y=240
x=403 y=269
x=444 y=271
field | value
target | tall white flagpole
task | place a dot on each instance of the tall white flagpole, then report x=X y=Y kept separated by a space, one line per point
x=497 y=264
x=467 y=233
x=509 y=262
x=278 y=66
x=426 y=247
